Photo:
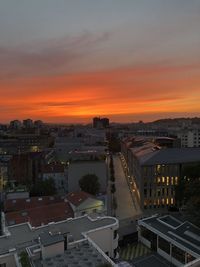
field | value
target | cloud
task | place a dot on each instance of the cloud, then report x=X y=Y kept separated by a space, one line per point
x=48 y=57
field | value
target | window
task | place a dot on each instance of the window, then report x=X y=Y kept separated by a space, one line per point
x=163 y=191
x=145 y=192
x=178 y=254
x=158 y=192
x=2 y=264
x=164 y=245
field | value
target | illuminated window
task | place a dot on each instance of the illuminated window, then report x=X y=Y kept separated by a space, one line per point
x=163 y=180
x=172 y=201
x=167 y=180
x=158 y=202
x=158 y=180
x=163 y=201
x=172 y=180
x=158 y=167
x=176 y=180
x=167 y=201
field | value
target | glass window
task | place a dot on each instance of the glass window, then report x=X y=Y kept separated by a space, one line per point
x=178 y=254
x=164 y=245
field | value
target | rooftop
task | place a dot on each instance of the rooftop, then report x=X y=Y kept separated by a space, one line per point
x=152 y=155
x=76 y=198
x=82 y=256
x=185 y=234
x=23 y=235
x=41 y=215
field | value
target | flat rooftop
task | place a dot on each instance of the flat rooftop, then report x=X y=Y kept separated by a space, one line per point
x=82 y=256
x=151 y=260
x=176 y=231
x=170 y=156
x=23 y=235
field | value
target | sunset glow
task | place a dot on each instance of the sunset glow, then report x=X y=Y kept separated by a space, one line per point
x=71 y=74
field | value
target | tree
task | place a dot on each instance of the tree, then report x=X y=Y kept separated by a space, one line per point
x=114 y=144
x=112 y=177
x=187 y=192
x=90 y=184
x=188 y=184
x=43 y=188
x=113 y=188
x=24 y=259
x=192 y=211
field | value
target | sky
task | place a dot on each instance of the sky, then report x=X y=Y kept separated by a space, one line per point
x=71 y=60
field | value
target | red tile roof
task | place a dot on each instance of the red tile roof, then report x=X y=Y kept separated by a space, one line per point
x=42 y=214
x=29 y=203
x=76 y=198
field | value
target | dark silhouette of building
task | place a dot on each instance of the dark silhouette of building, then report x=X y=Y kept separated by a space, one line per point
x=100 y=122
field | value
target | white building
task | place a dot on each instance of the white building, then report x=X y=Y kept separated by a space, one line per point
x=83 y=203
x=78 y=242
x=190 y=138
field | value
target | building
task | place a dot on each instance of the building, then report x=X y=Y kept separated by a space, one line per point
x=57 y=172
x=15 y=124
x=100 y=122
x=77 y=242
x=155 y=171
x=28 y=123
x=190 y=137
x=175 y=240
x=83 y=203
x=37 y=210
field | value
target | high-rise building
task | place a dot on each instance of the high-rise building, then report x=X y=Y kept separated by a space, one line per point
x=100 y=123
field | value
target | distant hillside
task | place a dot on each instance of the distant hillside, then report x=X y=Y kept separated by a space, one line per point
x=195 y=120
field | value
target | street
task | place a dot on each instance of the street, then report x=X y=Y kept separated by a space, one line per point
x=127 y=207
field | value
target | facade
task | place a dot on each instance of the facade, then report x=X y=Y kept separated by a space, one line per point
x=15 y=124
x=175 y=240
x=190 y=137
x=28 y=123
x=58 y=173
x=155 y=171
x=61 y=243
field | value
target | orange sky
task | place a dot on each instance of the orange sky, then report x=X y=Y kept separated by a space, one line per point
x=71 y=60
x=121 y=94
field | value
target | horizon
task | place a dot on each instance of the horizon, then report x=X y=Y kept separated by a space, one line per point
x=90 y=122
x=70 y=60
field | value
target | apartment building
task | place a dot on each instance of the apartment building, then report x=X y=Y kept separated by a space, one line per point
x=190 y=137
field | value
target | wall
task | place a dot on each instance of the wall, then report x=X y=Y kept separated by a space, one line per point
x=53 y=250
x=79 y=169
x=8 y=259
x=104 y=238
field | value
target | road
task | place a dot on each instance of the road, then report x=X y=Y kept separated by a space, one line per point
x=126 y=204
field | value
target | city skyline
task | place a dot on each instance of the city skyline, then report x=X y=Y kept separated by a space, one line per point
x=68 y=61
